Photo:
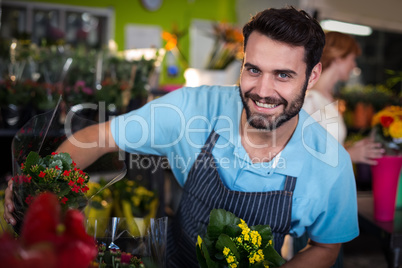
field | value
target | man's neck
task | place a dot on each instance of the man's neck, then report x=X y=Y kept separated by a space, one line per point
x=264 y=145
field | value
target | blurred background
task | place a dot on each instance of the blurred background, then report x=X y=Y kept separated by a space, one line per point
x=125 y=53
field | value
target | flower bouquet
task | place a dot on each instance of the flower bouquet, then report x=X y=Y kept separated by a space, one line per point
x=37 y=168
x=387 y=129
x=55 y=173
x=229 y=242
x=227 y=47
x=50 y=238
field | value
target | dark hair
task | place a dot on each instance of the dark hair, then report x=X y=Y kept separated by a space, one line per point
x=291 y=26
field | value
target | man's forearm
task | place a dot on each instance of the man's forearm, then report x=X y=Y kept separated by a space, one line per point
x=88 y=144
x=315 y=255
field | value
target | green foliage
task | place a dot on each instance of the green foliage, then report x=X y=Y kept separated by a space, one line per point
x=229 y=240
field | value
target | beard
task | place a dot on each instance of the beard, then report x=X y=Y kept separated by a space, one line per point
x=271 y=122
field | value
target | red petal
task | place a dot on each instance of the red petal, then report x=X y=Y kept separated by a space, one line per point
x=43 y=217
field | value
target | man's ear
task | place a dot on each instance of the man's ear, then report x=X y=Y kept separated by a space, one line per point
x=315 y=75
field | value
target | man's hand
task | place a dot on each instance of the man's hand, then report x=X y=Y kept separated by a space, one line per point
x=315 y=255
x=8 y=204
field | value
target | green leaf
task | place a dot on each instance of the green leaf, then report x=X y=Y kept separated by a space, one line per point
x=32 y=159
x=200 y=258
x=209 y=261
x=232 y=230
x=225 y=241
x=270 y=254
x=65 y=158
x=218 y=219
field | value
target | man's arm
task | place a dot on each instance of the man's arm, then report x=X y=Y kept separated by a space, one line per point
x=88 y=144
x=315 y=255
x=84 y=146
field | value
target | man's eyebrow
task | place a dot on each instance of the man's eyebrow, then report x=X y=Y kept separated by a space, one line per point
x=288 y=71
x=249 y=65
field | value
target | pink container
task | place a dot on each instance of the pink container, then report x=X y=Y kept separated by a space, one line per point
x=385 y=177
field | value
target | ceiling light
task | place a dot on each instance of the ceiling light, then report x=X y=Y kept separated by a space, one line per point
x=349 y=28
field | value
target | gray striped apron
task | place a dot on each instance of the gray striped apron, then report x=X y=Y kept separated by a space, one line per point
x=204 y=191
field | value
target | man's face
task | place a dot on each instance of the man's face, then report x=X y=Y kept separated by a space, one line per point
x=272 y=82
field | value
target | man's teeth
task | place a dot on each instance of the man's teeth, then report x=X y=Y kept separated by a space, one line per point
x=265 y=105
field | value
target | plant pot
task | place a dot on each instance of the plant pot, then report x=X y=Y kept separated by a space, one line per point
x=385 y=177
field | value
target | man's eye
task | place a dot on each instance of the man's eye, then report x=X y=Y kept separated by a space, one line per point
x=253 y=70
x=283 y=75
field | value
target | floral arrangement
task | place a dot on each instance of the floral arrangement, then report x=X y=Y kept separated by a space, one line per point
x=135 y=199
x=387 y=129
x=230 y=242
x=50 y=238
x=55 y=173
x=115 y=258
x=227 y=46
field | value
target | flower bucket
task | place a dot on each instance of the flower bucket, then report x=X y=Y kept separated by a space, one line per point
x=385 y=177
x=115 y=235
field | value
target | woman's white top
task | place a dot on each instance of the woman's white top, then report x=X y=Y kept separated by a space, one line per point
x=326 y=112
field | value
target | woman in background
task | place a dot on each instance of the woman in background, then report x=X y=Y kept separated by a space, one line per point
x=338 y=60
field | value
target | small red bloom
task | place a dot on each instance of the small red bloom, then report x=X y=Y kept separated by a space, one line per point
x=80 y=180
x=26 y=179
x=54 y=153
x=29 y=199
x=22 y=166
x=74 y=164
x=71 y=183
x=66 y=173
x=57 y=167
x=75 y=188
x=64 y=200
x=42 y=174
x=85 y=189
x=386 y=121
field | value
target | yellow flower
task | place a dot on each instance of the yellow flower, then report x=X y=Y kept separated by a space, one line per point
x=226 y=251
x=230 y=259
x=395 y=129
x=199 y=241
x=233 y=265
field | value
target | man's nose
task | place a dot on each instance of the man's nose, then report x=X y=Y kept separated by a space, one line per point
x=266 y=86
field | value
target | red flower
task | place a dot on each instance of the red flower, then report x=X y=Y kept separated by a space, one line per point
x=64 y=200
x=57 y=167
x=43 y=244
x=71 y=183
x=74 y=164
x=54 y=153
x=80 y=180
x=42 y=174
x=85 y=189
x=29 y=199
x=386 y=121
x=75 y=188
x=66 y=173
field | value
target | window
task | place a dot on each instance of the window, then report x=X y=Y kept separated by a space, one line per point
x=49 y=23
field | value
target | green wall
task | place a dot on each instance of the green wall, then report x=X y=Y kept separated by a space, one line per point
x=172 y=12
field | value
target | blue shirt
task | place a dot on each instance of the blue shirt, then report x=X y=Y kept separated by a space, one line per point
x=178 y=124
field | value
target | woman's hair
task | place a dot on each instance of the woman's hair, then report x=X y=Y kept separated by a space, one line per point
x=291 y=26
x=338 y=45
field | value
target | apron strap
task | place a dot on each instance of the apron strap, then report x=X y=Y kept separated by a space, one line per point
x=210 y=143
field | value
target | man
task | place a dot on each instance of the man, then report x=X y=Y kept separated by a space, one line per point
x=256 y=154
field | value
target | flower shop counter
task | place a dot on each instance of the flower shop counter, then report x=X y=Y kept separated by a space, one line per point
x=388 y=232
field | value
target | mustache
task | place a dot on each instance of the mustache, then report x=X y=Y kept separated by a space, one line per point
x=270 y=100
